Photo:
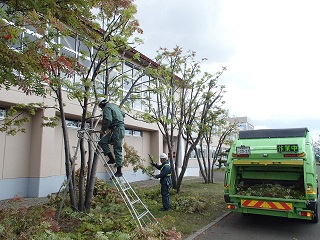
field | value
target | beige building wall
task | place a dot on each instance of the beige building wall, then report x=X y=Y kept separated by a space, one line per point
x=32 y=163
x=16 y=155
x=2 y=153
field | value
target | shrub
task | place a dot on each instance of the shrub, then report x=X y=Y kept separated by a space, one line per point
x=189 y=204
x=24 y=223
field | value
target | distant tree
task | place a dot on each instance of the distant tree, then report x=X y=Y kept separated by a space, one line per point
x=184 y=104
x=217 y=127
x=316 y=148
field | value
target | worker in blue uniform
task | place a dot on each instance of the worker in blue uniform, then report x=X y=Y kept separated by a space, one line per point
x=165 y=180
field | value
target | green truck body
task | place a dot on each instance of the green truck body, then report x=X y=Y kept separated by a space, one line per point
x=273 y=172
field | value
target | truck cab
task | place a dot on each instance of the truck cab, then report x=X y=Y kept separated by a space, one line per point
x=273 y=172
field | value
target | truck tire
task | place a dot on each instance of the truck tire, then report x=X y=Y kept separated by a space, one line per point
x=315 y=217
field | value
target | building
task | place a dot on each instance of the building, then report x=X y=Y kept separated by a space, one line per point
x=32 y=163
x=244 y=123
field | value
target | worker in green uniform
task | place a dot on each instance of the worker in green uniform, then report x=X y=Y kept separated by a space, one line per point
x=113 y=120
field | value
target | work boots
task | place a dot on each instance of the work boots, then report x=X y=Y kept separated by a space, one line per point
x=118 y=173
x=111 y=158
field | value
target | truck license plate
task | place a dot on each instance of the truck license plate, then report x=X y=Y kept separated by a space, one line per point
x=243 y=150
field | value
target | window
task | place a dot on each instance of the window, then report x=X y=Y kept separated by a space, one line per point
x=136 y=97
x=30 y=36
x=127 y=69
x=83 y=48
x=132 y=74
x=153 y=101
x=113 y=74
x=2 y=113
x=68 y=42
x=137 y=104
x=73 y=123
x=136 y=133
x=71 y=54
x=193 y=154
x=128 y=132
x=127 y=83
x=131 y=132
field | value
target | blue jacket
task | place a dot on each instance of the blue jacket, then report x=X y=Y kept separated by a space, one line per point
x=165 y=173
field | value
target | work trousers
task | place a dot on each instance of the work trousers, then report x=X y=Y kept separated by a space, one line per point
x=165 y=196
x=116 y=139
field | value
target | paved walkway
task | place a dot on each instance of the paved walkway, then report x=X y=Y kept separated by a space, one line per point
x=154 y=182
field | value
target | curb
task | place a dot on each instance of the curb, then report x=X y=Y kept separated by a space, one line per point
x=197 y=233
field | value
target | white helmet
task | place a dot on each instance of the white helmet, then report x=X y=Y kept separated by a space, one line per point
x=163 y=155
x=101 y=100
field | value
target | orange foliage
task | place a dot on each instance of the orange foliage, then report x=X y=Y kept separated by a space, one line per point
x=7 y=37
x=61 y=63
x=5 y=34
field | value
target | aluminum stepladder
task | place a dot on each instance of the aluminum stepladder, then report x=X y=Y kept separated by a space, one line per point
x=138 y=210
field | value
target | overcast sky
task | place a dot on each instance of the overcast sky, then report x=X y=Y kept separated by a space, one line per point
x=271 y=49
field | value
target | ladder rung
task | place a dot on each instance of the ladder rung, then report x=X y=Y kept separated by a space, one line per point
x=142 y=214
x=135 y=201
x=125 y=189
x=106 y=165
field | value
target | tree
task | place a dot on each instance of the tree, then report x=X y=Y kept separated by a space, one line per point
x=41 y=65
x=206 y=161
x=184 y=104
x=316 y=148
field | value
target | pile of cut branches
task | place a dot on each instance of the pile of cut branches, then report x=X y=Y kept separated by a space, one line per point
x=270 y=190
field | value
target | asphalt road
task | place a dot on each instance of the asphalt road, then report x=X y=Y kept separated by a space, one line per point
x=238 y=226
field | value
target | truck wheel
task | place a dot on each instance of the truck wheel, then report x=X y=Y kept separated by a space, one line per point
x=315 y=217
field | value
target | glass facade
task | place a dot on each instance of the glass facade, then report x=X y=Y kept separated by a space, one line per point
x=125 y=77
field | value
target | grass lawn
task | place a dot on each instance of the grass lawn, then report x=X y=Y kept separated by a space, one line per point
x=194 y=207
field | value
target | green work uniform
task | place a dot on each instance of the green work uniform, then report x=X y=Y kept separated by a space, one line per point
x=113 y=119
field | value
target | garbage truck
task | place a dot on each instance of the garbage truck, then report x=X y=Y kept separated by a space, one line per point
x=273 y=172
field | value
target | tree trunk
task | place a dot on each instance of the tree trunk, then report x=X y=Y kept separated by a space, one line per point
x=173 y=174
x=68 y=161
x=89 y=163
x=212 y=171
x=203 y=170
x=90 y=185
x=83 y=159
x=183 y=170
x=82 y=177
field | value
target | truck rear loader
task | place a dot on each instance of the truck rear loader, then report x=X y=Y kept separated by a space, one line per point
x=273 y=172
